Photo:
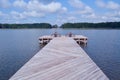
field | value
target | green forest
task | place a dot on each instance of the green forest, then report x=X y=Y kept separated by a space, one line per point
x=104 y=25
x=18 y=26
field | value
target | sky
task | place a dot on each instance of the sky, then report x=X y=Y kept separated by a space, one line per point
x=59 y=11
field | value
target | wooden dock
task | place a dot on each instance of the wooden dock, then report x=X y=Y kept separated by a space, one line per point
x=78 y=38
x=61 y=59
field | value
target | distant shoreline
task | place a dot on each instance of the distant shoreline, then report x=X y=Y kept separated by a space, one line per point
x=61 y=28
x=102 y=25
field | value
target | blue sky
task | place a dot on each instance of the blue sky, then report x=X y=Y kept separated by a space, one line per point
x=59 y=11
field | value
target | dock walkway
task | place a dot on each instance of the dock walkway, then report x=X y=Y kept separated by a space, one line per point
x=61 y=59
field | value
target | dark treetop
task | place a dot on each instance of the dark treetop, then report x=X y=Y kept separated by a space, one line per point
x=34 y=25
x=105 y=25
x=108 y=25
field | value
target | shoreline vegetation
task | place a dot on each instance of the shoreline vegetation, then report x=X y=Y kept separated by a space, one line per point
x=102 y=25
x=25 y=26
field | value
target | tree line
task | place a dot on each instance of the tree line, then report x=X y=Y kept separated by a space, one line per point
x=18 y=26
x=108 y=25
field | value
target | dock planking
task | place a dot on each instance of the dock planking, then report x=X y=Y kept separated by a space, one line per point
x=61 y=59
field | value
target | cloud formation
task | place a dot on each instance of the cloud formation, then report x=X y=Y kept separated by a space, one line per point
x=58 y=11
x=82 y=7
x=113 y=7
x=109 y=5
x=38 y=6
x=4 y=3
x=23 y=10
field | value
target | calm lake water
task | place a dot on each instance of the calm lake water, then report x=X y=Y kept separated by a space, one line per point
x=17 y=46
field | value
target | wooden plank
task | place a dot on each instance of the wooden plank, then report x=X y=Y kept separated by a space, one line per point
x=61 y=59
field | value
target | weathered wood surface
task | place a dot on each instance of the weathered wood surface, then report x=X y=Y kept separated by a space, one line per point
x=61 y=59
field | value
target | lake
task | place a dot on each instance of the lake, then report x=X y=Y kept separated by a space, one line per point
x=17 y=46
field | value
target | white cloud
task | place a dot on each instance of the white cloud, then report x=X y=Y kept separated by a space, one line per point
x=4 y=3
x=100 y=3
x=1 y=14
x=36 y=9
x=50 y=8
x=90 y=16
x=106 y=17
x=33 y=14
x=36 y=5
x=71 y=18
x=63 y=10
x=4 y=18
x=46 y=1
x=113 y=5
x=86 y=10
x=76 y=3
x=109 y=5
x=65 y=18
x=17 y=15
x=25 y=14
x=113 y=15
x=20 y=3
x=81 y=7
